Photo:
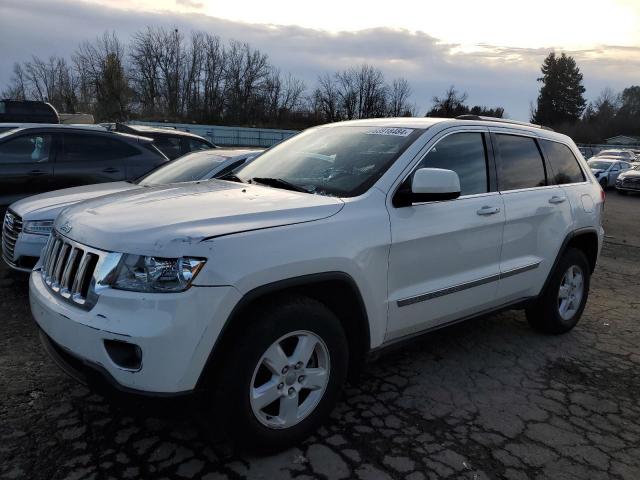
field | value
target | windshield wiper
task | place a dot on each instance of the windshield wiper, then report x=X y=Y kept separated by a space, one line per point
x=232 y=177
x=278 y=182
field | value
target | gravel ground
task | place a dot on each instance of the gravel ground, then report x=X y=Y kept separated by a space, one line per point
x=488 y=398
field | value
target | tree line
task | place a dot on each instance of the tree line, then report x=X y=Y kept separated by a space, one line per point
x=562 y=106
x=166 y=75
x=163 y=74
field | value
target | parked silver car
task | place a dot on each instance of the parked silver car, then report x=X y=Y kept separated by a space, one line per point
x=28 y=222
x=607 y=169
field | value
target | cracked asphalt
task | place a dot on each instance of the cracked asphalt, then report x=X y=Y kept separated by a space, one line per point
x=485 y=399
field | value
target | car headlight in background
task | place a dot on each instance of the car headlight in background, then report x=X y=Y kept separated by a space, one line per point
x=155 y=274
x=38 y=227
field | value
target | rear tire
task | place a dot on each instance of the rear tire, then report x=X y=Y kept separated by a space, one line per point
x=292 y=350
x=560 y=306
x=604 y=183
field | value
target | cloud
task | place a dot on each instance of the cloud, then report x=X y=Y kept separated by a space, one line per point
x=190 y=4
x=493 y=75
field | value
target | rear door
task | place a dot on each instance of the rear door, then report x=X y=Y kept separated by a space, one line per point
x=88 y=158
x=537 y=215
x=26 y=165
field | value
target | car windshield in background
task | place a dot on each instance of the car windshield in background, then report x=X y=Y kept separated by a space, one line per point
x=596 y=165
x=339 y=161
x=188 y=168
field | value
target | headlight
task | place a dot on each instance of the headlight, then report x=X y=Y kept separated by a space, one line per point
x=155 y=274
x=38 y=227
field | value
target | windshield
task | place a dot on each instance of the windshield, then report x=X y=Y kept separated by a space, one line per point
x=188 y=168
x=339 y=161
x=596 y=165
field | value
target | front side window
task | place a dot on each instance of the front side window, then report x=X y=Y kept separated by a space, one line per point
x=465 y=154
x=26 y=149
x=563 y=163
x=342 y=161
x=520 y=163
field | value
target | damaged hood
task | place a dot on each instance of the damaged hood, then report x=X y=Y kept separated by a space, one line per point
x=166 y=220
x=47 y=206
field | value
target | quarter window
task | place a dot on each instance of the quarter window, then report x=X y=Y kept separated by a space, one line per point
x=26 y=149
x=465 y=154
x=520 y=163
x=563 y=163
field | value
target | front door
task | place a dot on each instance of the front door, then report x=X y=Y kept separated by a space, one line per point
x=445 y=256
x=25 y=166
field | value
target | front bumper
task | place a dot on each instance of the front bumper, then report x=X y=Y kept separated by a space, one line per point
x=174 y=332
x=26 y=251
x=628 y=187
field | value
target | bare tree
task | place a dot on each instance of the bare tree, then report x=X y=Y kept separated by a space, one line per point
x=144 y=56
x=398 y=101
x=325 y=99
x=246 y=73
x=100 y=65
x=213 y=81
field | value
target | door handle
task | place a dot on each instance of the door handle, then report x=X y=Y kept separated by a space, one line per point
x=487 y=210
x=37 y=172
x=556 y=199
x=111 y=170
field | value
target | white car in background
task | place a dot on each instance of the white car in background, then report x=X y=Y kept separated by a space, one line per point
x=607 y=169
x=28 y=222
x=617 y=153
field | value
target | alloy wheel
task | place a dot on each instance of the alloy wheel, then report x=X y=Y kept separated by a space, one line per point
x=290 y=379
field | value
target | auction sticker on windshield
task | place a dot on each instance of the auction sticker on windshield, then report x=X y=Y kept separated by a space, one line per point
x=396 y=132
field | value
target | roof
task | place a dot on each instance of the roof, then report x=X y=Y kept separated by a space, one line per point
x=72 y=128
x=54 y=125
x=135 y=128
x=428 y=122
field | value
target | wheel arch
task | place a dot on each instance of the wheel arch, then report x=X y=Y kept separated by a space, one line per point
x=337 y=290
x=583 y=239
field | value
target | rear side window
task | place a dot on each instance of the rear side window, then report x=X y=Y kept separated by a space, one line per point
x=520 y=163
x=170 y=146
x=82 y=148
x=465 y=154
x=193 y=144
x=563 y=162
x=26 y=149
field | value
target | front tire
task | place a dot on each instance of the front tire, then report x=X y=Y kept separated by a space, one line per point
x=285 y=373
x=561 y=304
x=604 y=183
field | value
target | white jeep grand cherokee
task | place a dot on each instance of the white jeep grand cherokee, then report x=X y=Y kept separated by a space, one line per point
x=267 y=288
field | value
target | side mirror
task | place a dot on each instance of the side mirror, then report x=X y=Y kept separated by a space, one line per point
x=429 y=185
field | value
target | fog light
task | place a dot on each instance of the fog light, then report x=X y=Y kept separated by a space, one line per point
x=123 y=354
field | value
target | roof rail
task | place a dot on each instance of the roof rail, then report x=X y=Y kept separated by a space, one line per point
x=502 y=120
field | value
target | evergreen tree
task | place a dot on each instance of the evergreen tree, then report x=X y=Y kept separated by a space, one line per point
x=561 y=98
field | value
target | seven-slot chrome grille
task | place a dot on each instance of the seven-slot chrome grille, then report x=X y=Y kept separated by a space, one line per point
x=11 y=228
x=68 y=269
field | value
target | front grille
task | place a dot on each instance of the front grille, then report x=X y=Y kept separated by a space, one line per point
x=631 y=182
x=11 y=228
x=68 y=269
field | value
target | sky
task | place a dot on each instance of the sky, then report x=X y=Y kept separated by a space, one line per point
x=491 y=49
